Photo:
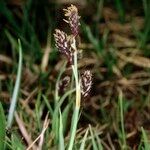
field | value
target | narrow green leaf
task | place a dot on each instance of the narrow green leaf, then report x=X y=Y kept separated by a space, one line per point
x=74 y=123
x=38 y=113
x=61 y=137
x=82 y=146
x=123 y=135
x=13 y=102
x=56 y=111
x=121 y=11
x=92 y=39
x=16 y=143
x=93 y=139
x=48 y=105
x=145 y=139
x=65 y=115
x=2 y=128
x=100 y=147
x=8 y=15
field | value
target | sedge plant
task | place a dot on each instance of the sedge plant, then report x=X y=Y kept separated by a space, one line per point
x=68 y=46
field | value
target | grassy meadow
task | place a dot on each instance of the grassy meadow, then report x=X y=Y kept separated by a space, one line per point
x=74 y=75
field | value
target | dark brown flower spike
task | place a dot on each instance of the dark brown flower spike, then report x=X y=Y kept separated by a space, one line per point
x=63 y=44
x=86 y=83
x=68 y=45
x=73 y=19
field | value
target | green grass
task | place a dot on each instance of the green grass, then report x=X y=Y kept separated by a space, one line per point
x=32 y=111
x=2 y=128
x=16 y=89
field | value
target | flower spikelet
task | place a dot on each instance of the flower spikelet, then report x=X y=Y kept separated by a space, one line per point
x=86 y=83
x=63 y=44
x=73 y=19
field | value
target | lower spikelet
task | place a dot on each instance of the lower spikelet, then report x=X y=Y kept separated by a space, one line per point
x=86 y=83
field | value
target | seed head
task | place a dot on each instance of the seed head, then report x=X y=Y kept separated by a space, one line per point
x=86 y=83
x=63 y=44
x=73 y=19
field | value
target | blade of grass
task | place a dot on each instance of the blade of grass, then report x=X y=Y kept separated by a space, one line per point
x=65 y=115
x=57 y=104
x=145 y=35
x=48 y=105
x=82 y=146
x=121 y=11
x=93 y=139
x=99 y=10
x=123 y=136
x=13 y=102
x=16 y=143
x=61 y=137
x=61 y=101
x=13 y=41
x=100 y=147
x=8 y=144
x=55 y=122
x=57 y=83
x=92 y=39
x=2 y=128
x=145 y=7
x=8 y=15
x=145 y=139
x=38 y=111
x=73 y=127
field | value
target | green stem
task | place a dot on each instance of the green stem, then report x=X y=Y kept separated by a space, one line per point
x=57 y=83
x=75 y=117
x=73 y=127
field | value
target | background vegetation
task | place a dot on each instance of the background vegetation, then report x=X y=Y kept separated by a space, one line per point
x=115 y=38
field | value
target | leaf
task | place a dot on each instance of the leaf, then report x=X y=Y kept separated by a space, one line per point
x=145 y=139
x=2 y=128
x=61 y=137
x=95 y=147
x=16 y=89
x=82 y=146
x=16 y=143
